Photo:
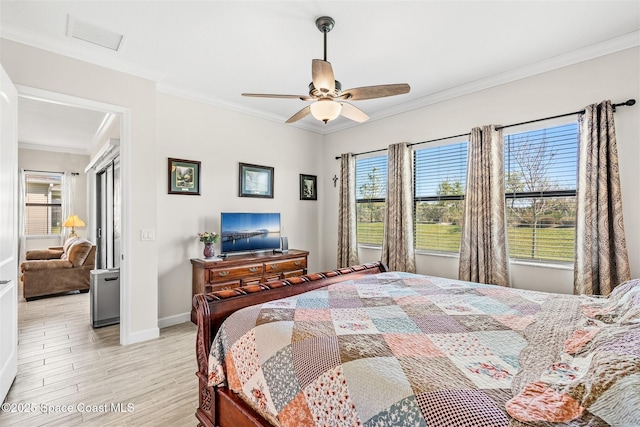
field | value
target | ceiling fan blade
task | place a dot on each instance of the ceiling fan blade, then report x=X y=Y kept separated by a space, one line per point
x=322 y=75
x=352 y=112
x=300 y=114
x=271 y=95
x=371 y=92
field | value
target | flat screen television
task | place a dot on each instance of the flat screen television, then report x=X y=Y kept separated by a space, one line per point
x=249 y=232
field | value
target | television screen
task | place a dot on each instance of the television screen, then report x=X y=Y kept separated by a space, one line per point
x=247 y=232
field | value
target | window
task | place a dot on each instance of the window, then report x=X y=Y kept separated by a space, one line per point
x=540 y=188
x=371 y=191
x=440 y=180
x=540 y=169
x=43 y=203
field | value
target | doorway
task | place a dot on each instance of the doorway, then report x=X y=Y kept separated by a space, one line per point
x=119 y=240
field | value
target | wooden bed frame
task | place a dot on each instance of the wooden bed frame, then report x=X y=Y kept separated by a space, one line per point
x=219 y=406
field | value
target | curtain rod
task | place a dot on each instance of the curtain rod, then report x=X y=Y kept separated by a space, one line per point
x=627 y=103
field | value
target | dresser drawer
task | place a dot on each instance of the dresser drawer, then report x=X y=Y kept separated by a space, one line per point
x=245 y=270
x=286 y=265
x=231 y=273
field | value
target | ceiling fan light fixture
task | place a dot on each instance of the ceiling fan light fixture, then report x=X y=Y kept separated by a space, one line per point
x=325 y=110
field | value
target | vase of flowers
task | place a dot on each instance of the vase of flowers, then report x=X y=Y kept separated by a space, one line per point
x=209 y=238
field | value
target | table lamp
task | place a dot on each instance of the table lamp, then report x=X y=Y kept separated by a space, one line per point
x=73 y=221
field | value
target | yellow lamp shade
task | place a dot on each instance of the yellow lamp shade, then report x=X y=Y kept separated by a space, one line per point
x=73 y=221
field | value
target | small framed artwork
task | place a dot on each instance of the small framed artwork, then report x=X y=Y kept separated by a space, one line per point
x=308 y=187
x=255 y=181
x=184 y=177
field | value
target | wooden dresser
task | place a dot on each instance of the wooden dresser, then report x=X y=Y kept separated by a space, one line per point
x=241 y=270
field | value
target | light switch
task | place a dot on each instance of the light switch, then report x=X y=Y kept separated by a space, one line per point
x=147 y=235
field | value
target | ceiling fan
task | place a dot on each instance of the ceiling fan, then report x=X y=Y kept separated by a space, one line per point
x=326 y=92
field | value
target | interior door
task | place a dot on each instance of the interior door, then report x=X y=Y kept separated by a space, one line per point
x=8 y=233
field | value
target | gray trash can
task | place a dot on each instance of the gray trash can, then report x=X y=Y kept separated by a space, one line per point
x=105 y=297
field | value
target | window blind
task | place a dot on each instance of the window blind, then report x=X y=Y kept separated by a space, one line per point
x=439 y=184
x=371 y=192
x=540 y=190
x=43 y=203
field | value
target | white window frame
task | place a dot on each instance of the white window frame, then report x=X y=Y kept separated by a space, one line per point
x=48 y=204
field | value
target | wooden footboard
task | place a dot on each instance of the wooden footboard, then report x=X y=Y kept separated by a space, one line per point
x=219 y=406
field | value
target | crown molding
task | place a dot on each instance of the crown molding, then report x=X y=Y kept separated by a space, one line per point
x=228 y=105
x=62 y=46
x=76 y=49
x=579 y=55
x=42 y=147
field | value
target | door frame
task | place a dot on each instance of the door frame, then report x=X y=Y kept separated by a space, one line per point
x=125 y=172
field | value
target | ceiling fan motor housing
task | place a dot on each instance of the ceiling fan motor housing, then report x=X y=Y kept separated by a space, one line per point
x=317 y=93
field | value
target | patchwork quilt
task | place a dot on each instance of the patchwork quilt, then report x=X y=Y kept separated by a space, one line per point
x=399 y=349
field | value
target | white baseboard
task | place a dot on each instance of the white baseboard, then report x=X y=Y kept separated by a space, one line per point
x=174 y=320
x=149 y=334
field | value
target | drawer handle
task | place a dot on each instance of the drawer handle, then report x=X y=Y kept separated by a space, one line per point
x=274 y=266
x=223 y=273
x=298 y=263
x=254 y=269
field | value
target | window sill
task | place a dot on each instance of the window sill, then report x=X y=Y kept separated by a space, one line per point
x=438 y=254
x=369 y=246
x=554 y=265
x=512 y=261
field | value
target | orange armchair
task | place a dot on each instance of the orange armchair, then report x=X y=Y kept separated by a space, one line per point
x=57 y=270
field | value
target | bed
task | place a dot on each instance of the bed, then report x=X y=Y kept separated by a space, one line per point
x=366 y=347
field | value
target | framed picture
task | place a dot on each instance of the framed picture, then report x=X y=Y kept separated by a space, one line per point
x=308 y=187
x=256 y=181
x=184 y=177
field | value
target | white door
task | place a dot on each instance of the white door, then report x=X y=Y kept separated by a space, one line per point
x=8 y=233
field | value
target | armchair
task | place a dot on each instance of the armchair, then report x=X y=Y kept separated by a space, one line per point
x=57 y=270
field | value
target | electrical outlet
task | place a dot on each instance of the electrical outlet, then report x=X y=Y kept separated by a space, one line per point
x=147 y=235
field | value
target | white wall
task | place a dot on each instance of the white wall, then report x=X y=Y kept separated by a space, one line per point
x=58 y=162
x=41 y=69
x=560 y=91
x=164 y=126
x=220 y=139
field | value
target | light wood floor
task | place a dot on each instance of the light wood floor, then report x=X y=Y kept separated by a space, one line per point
x=64 y=362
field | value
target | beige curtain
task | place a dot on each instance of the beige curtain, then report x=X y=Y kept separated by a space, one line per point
x=483 y=251
x=398 y=251
x=347 y=243
x=68 y=198
x=601 y=251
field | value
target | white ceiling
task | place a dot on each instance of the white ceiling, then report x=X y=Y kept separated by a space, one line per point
x=58 y=127
x=214 y=50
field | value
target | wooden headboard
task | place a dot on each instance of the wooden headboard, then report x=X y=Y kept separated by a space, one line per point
x=213 y=308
